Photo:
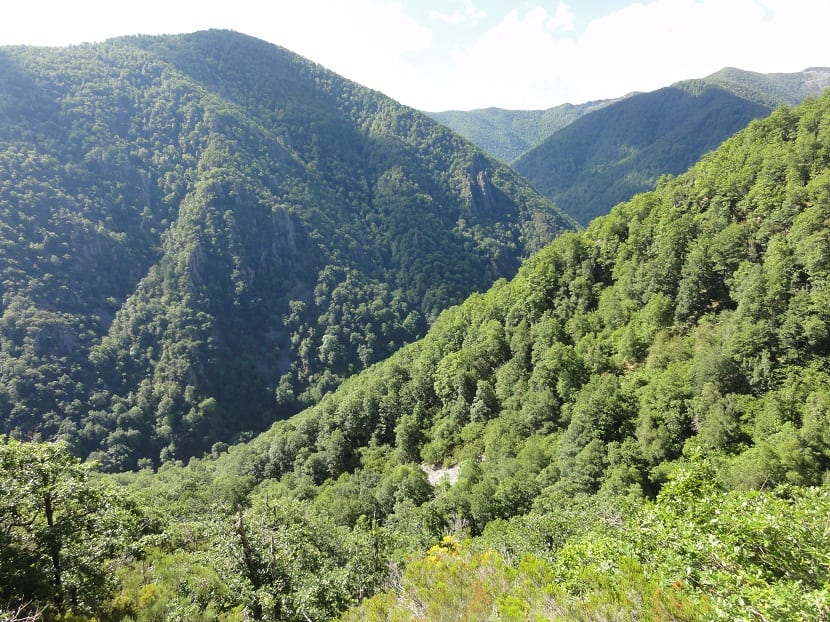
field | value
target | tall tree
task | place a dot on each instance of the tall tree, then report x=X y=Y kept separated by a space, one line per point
x=60 y=529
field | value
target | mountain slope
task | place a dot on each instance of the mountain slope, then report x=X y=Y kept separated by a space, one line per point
x=200 y=233
x=609 y=155
x=640 y=415
x=507 y=134
x=711 y=287
x=771 y=89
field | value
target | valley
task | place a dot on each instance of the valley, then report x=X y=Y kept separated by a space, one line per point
x=250 y=307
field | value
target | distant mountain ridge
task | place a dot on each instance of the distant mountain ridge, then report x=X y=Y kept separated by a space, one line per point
x=608 y=155
x=771 y=89
x=200 y=233
x=507 y=134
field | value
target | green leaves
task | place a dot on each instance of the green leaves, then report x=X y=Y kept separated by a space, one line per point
x=691 y=321
x=746 y=549
x=182 y=227
x=63 y=530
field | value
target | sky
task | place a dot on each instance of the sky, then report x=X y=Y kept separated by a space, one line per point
x=439 y=55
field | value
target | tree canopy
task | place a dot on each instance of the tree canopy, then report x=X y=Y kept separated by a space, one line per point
x=634 y=425
x=623 y=148
x=202 y=234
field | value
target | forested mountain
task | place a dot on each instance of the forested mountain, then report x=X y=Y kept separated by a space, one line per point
x=610 y=154
x=507 y=134
x=199 y=234
x=771 y=89
x=638 y=426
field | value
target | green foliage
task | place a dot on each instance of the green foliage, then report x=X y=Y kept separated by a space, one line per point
x=507 y=134
x=202 y=234
x=634 y=427
x=179 y=585
x=621 y=149
x=616 y=353
x=62 y=531
x=452 y=583
x=695 y=553
x=763 y=552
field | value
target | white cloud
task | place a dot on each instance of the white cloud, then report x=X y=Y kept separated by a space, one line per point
x=490 y=70
x=529 y=56
x=56 y=22
x=646 y=46
x=359 y=36
x=533 y=59
x=329 y=29
x=470 y=14
x=563 y=20
x=453 y=19
x=371 y=42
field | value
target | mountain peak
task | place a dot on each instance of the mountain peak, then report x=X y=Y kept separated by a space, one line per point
x=232 y=230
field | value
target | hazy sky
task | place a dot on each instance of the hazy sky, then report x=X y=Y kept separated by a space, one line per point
x=463 y=54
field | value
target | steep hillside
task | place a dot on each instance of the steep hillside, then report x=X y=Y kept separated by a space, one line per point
x=507 y=134
x=609 y=155
x=771 y=89
x=640 y=421
x=200 y=234
x=676 y=320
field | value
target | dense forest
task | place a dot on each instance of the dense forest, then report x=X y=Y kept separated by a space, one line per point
x=634 y=427
x=613 y=153
x=602 y=159
x=202 y=234
x=507 y=134
x=589 y=157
